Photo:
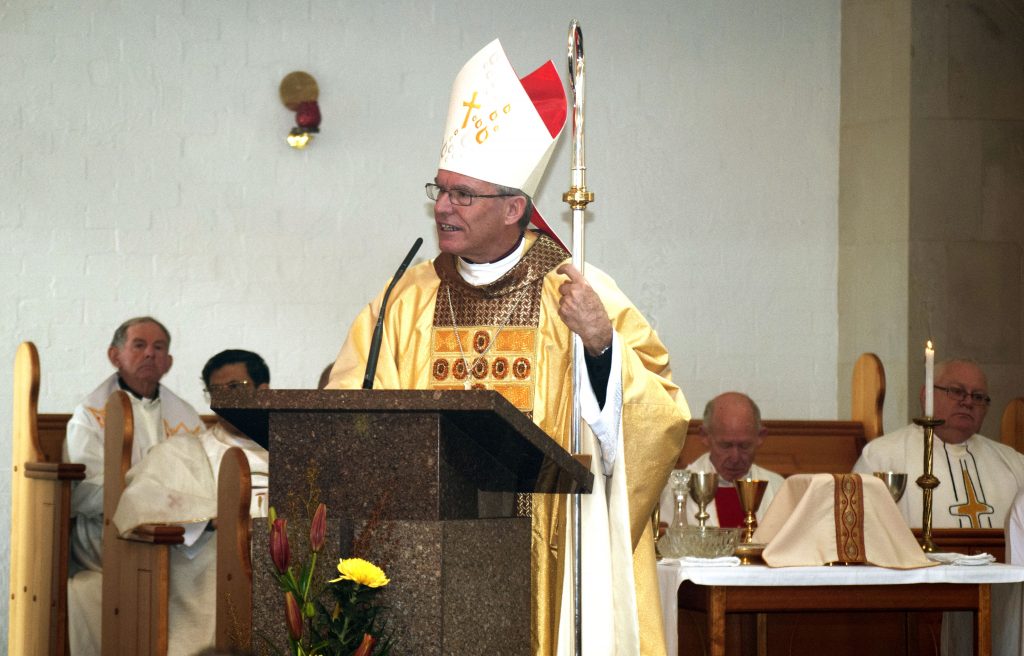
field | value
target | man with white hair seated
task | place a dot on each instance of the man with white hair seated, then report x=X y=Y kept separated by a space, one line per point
x=978 y=480
x=733 y=433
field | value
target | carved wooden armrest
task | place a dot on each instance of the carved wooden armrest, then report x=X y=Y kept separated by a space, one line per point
x=157 y=534
x=54 y=471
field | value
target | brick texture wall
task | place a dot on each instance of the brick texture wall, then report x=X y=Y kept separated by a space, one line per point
x=143 y=170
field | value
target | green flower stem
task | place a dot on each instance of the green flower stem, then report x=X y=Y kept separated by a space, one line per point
x=309 y=577
x=288 y=582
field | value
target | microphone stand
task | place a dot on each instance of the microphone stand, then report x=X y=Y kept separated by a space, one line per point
x=378 y=330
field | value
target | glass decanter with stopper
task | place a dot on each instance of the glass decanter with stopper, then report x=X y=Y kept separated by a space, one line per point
x=671 y=544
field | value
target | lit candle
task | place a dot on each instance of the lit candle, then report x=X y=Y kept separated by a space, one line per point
x=929 y=379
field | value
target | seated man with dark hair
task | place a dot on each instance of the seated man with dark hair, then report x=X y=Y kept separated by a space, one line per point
x=237 y=369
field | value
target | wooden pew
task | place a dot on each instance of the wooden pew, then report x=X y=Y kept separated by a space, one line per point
x=40 y=523
x=136 y=581
x=234 y=563
x=1011 y=428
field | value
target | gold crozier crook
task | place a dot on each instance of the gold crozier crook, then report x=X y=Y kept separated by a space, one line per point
x=577 y=197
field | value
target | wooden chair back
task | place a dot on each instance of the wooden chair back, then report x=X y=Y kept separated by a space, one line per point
x=793 y=446
x=867 y=394
x=136 y=581
x=1011 y=429
x=40 y=523
x=234 y=564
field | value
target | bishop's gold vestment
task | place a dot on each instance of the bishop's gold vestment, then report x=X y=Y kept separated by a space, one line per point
x=442 y=333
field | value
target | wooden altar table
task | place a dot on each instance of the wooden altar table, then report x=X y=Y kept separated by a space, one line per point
x=717 y=591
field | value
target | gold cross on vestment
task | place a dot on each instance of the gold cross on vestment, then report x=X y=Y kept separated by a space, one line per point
x=973 y=508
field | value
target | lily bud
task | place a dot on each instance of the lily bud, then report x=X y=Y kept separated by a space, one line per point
x=292 y=616
x=279 y=551
x=366 y=646
x=318 y=528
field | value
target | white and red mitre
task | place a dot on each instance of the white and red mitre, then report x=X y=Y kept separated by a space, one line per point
x=502 y=129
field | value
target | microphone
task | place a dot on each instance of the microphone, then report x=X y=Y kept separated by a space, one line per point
x=378 y=330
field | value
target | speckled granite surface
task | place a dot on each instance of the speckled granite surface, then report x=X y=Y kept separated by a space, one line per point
x=460 y=583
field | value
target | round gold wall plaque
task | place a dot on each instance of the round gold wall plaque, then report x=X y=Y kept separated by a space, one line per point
x=298 y=87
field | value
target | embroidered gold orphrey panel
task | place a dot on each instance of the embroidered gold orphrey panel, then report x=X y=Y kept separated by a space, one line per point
x=496 y=327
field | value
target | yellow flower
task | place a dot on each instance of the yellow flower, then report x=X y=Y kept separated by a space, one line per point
x=362 y=572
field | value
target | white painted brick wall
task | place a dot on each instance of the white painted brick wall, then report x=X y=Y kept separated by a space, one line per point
x=143 y=170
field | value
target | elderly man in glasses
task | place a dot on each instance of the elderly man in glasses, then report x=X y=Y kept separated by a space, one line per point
x=497 y=310
x=978 y=477
x=978 y=480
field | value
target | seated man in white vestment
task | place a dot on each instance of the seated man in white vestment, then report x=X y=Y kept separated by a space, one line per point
x=237 y=369
x=733 y=433
x=978 y=478
x=140 y=351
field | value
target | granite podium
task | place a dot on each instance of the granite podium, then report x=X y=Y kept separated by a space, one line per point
x=435 y=473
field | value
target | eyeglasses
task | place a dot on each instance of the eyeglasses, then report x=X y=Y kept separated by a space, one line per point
x=960 y=395
x=457 y=196
x=232 y=385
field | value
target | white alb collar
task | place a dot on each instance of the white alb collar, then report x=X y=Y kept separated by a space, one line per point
x=485 y=274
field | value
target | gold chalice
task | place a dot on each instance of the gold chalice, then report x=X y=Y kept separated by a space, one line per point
x=703 y=486
x=895 y=482
x=750 y=492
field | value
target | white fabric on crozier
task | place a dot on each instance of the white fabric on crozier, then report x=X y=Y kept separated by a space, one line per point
x=703 y=464
x=217 y=440
x=607 y=585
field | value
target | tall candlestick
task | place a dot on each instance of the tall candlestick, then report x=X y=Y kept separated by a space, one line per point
x=929 y=379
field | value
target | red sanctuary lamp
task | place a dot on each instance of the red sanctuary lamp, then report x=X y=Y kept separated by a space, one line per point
x=299 y=93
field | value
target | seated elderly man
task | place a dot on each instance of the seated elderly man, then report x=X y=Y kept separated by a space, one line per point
x=236 y=369
x=140 y=351
x=732 y=432
x=978 y=477
x=978 y=480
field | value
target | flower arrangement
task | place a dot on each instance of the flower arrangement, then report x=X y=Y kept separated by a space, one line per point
x=340 y=618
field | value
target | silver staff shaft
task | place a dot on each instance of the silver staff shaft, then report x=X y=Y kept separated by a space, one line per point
x=577 y=197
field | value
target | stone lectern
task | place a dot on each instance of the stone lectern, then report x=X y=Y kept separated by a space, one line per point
x=434 y=474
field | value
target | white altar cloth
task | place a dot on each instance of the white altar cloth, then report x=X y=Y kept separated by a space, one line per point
x=671 y=573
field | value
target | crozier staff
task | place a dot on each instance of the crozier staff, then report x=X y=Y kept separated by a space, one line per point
x=496 y=309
